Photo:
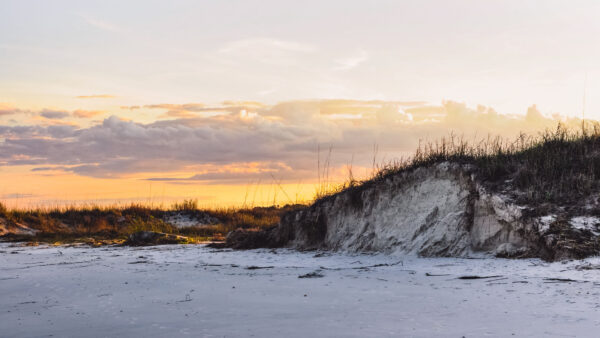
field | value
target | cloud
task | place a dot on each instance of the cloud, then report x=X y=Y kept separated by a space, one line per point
x=6 y=109
x=190 y=110
x=249 y=141
x=187 y=106
x=352 y=61
x=179 y=110
x=96 y=96
x=49 y=114
x=61 y=168
x=61 y=131
x=237 y=173
x=86 y=113
x=54 y=114
x=100 y=24
x=17 y=196
x=35 y=132
x=392 y=114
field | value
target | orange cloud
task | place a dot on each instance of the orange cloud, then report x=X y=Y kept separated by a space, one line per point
x=86 y=113
x=243 y=145
x=96 y=96
x=6 y=109
x=287 y=133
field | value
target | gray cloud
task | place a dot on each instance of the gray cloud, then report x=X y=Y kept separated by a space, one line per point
x=241 y=173
x=17 y=196
x=54 y=114
x=8 y=110
x=265 y=142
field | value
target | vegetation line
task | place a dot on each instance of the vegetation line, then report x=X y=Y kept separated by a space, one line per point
x=557 y=166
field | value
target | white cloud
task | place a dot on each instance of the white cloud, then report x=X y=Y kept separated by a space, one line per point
x=100 y=24
x=352 y=61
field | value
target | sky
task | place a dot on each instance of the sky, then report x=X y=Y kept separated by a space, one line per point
x=233 y=102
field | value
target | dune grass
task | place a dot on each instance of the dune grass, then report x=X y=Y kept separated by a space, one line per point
x=111 y=223
x=555 y=166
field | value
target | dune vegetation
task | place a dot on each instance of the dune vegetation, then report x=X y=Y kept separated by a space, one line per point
x=113 y=224
x=556 y=166
x=560 y=166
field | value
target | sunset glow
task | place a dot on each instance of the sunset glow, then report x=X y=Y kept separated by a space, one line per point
x=261 y=103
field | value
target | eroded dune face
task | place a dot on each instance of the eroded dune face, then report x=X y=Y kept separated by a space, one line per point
x=437 y=211
x=441 y=210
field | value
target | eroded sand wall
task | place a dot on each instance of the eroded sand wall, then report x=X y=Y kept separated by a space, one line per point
x=436 y=211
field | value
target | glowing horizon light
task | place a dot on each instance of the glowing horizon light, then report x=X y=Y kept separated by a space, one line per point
x=99 y=104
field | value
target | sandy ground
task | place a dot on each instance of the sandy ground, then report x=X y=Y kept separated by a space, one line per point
x=173 y=291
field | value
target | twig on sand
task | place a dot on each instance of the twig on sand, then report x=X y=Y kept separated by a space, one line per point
x=436 y=275
x=559 y=280
x=253 y=267
x=364 y=267
x=478 y=277
x=314 y=274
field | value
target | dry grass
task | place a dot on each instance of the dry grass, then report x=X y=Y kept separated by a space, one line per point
x=116 y=223
x=556 y=166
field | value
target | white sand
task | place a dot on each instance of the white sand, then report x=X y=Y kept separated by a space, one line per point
x=173 y=291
